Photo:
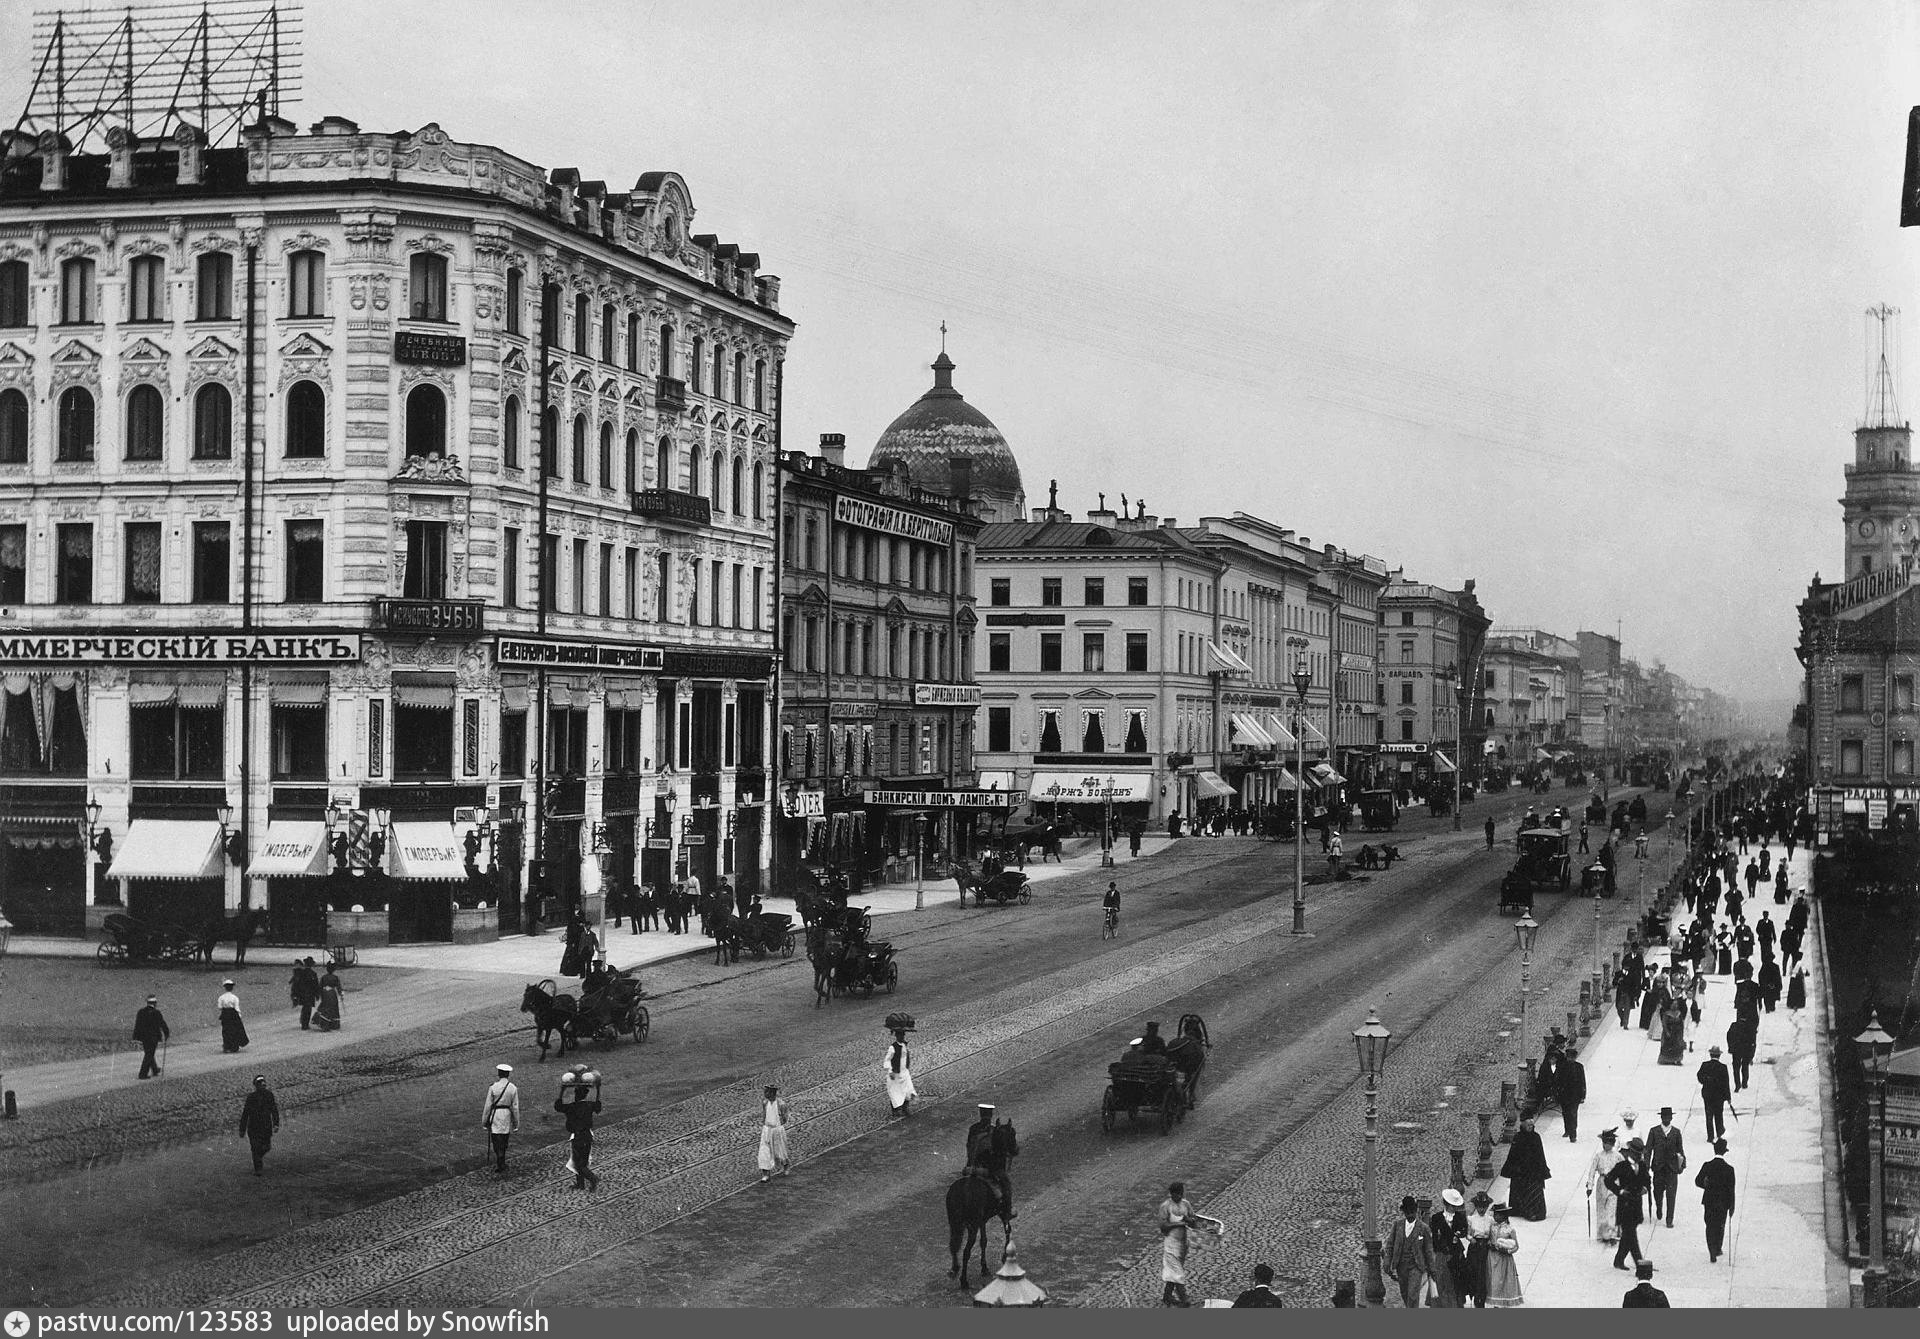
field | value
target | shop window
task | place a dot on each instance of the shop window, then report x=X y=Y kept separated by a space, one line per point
x=175 y=743
x=307 y=284
x=1050 y=652
x=306 y=421
x=213 y=423
x=427 y=287
x=19 y=735
x=13 y=564
x=1853 y=757
x=76 y=292
x=566 y=741
x=212 y=562
x=1852 y=693
x=146 y=423
x=1136 y=651
x=13 y=427
x=299 y=743
x=1049 y=590
x=146 y=289
x=143 y=544
x=73 y=571
x=622 y=742
x=999 y=729
x=76 y=424
x=426 y=573
x=306 y=561
x=422 y=743
x=213 y=287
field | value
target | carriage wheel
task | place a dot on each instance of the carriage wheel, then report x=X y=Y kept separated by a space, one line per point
x=786 y=945
x=893 y=976
x=642 y=1022
x=111 y=955
x=1023 y=895
x=1108 y=1105
x=1169 y=1105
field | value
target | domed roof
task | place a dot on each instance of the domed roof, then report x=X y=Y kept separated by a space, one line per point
x=940 y=425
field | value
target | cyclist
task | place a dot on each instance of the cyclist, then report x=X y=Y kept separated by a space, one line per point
x=1112 y=904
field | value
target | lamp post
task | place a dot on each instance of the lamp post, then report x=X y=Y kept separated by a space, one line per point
x=1302 y=680
x=1106 y=831
x=1524 y=931
x=1874 y=1046
x=1460 y=692
x=919 y=845
x=1370 y=1041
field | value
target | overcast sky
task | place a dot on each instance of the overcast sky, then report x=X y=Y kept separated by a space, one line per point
x=1566 y=298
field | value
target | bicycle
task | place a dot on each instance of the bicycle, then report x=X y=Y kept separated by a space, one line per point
x=1111 y=929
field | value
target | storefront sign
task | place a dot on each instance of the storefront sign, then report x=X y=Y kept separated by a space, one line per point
x=804 y=803
x=672 y=504
x=716 y=664
x=415 y=346
x=946 y=695
x=1868 y=586
x=1403 y=674
x=874 y=516
x=1403 y=748
x=592 y=655
x=1091 y=788
x=429 y=615
x=856 y=711
x=1026 y=620
x=182 y=649
x=946 y=799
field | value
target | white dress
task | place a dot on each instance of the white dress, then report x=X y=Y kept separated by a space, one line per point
x=899 y=1086
x=773 y=1137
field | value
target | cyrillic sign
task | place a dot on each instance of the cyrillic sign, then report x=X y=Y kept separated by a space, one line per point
x=1086 y=787
x=428 y=615
x=182 y=649
x=591 y=655
x=1403 y=748
x=414 y=346
x=716 y=664
x=946 y=799
x=872 y=515
x=946 y=695
x=1867 y=586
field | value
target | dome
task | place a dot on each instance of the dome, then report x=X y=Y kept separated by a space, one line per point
x=941 y=425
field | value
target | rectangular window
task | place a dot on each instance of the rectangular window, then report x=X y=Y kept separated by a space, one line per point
x=73 y=576
x=1406 y=730
x=510 y=569
x=662 y=588
x=422 y=743
x=1406 y=693
x=1050 y=652
x=582 y=323
x=579 y=576
x=513 y=744
x=299 y=743
x=177 y=743
x=212 y=561
x=15 y=307
x=426 y=574
x=1000 y=652
x=1093 y=653
x=1903 y=692
x=999 y=729
x=1136 y=651
x=516 y=298
x=1406 y=653
x=1852 y=693
x=76 y=292
x=306 y=561
x=1903 y=757
x=307 y=284
x=606 y=581
x=13 y=564
x=1406 y=618
x=213 y=287
x=1049 y=590
x=1000 y=591
x=427 y=291
x=632 y=603
x=549 y=574
x=146 y=289
x=1853 y=757
x=1136 y=590
x=142 y=566
x=1096 y=590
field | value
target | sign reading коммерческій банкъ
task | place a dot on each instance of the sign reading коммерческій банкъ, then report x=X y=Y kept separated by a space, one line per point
x=190 y=648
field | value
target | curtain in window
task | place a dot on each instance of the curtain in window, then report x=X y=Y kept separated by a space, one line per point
x=143 y=558
x=1093 y=734
x=1049 y=732
x=13 y=547
x=76 y=543
x=1136 y=732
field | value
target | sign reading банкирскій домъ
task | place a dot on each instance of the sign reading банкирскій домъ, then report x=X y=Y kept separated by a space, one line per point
x=181 y=648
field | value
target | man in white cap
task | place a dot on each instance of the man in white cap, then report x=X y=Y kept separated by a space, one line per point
x=259 y=1122
x=501 y=1115
x=150 y=1029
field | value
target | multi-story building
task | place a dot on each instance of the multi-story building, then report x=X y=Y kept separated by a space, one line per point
x=383 y=521
x=1527 y=676
x=1430 y=644
x=877 y=695
x=1597 y=722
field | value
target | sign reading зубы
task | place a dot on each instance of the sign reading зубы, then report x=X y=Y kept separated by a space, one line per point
x=189 y=648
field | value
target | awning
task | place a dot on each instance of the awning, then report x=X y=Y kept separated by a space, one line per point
x=291 y=850
x=1277 y=730
x=1211 y=787
x=1248 y=732
x=168 y=849
x=423 y=690
x=1089 y=787
x=1312 y=733
x=1541 y=755
x=1442 y=763
x=1285 y=779
x=295 y=688
x=1220 y=660
x=427 y=851
x=1326 y=776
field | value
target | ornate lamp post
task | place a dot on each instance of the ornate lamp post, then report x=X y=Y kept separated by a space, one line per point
x=1875 y=1045
x=1302 y=680
x=1461 y=692
x=919 y=845
x=1524 y=931
x=1370 y=1041
x=1106 y=831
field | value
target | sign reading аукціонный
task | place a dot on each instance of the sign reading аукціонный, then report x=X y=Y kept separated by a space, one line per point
x=187 y=648
x=945 y=799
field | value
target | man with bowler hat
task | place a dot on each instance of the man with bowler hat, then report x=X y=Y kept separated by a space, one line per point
x=1716 y=1092
x=1643 y=1293
x=1409 y=1257
x=1629 y=1185
x=1715 y=1180
x=1667 y=1158
x=1572 y=1082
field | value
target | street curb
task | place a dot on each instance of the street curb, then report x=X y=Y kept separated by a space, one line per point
x=1840 y=1292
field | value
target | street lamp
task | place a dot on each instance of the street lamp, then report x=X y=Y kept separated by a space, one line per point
x=1874 y=1046
x=1460 y=693
x=919 y=845
x=1524 y=931
x=1106 y=831
x=1302 y=680
x=1370 y=1041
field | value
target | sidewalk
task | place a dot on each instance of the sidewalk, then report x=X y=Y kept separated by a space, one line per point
x=1777 y=1253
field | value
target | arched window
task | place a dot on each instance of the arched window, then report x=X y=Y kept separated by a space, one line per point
x=666 y=350
x=739 y=486
x=510 y=433
x=632 y=472
x=306 y=421
x=76 y=292
x=606 y=455
x=760 y=384
x=663 y=464
x=739 y=377
x=717 y=480
x=76 y=424
x=146 y=423
x=633 y=342
x=580 y=448
x=13 y=428
x=15 y=307
x=606 y=333
x=213 y=423
x=427 y=287
x=693 y=470
x=426 y=421
x=516 y=281
x=307 y=284
x=759 y=492
x=550 y=442
x=582 y=323
x=719 y=372
x=697 y=365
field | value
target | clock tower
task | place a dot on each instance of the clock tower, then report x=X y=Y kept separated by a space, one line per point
x=1881 y=507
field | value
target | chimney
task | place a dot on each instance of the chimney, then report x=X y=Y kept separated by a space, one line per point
x=833 y=448
x=960 y=477
x=335 y=125
x=53 y=161
x=121 y=144
x=565 y=180
x=190 y=144
x=591 y=195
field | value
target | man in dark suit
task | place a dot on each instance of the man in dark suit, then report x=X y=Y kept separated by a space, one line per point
x=1409 y=1253
x=1667 y=1158
x=1261 y=1293
x=1643 y=1293
x=1743 y=1039
x=150 y=1029
x=1571 y=1079
x=1716 y=1092
x=1629 y=1184
x=1715 y=1180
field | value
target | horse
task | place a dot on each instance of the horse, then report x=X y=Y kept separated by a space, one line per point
x=551 y=1012
x=978 y=1196
x=237 y=930
x=827 y=951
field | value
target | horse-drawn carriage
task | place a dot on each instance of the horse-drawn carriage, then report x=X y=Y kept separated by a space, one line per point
x=604 y=1013
x=1544 y=862
x=846 y=958
x=129 y=941
x=1167 y=1084
x=763 y=934
x=1009 y=885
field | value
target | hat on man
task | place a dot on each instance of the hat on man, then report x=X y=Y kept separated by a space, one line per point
x=259 y=1080
x=228 y=983
x=1452 y=1198
x=1500 y=1211
x=1635 y=1144
x=986 y=1106
x=1481 y=1199
x=1666 y=1113
x=1713 y=1050
x=1408 y=1204
x=153 y=999
x=503 y=1069
x=1643 y=1270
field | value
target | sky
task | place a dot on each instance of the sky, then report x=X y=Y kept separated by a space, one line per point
x=1564 y=298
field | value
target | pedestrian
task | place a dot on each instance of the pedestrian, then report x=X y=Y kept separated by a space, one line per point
x=1335 y=850
x=1716 y=1092
x=1652 y=999
x=1177 y=1217
x=1643 y=1293
x=1743 y=1036
x=580 y=1113
x=1626 y=993
x=1134 y=836
x=1448 y=1227
x=259 y=1121
x=500 y=1116
x=773 y=1134
x=1572 y=1081
x=572 y=957
x=1629 y=1185
x=1797 y=991
x=899 y=1073
x=1489 y=832
x=1527 y=1174
x=304 y=989
x=1583 y=839
x=1768 y=981
x=1479 y=1248
x=1409 y=1257
x=327 y=1015
x=150 y=1029
x=1261 y=1293
x=1503 y=1274
x=1601 y=1218
x=1667 y=1158
x=233 y=1030
x=1715 y=1180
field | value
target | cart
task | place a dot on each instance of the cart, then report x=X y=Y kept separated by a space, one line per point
x=1148 y=1085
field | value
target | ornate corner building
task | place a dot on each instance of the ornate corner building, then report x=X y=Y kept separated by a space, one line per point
x=385 y=530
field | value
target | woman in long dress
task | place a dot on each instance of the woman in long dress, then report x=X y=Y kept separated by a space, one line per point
x=233 y=1030
x=327 y=1014
x=773 y=1134
x=1673 y=1030
x=900 y=1090
x=1527 y=1173
x=1479 y=1234
x=1503 y=1275
x=1177 y=1219
x=1600 y=1199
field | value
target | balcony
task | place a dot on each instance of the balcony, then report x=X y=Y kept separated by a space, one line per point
x=667 y=504
x=670 y=395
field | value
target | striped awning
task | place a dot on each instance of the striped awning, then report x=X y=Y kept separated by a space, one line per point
x=1248 y=732
x=1278 y=730
x=1222 y=660
x=298 y=688
x=168 y=849
x=427 y=851
x=1442 y=763
x=291 y=850
x=1211 y=786
x=423 y=690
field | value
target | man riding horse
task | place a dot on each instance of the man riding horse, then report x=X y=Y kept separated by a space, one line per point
x=989 y=1162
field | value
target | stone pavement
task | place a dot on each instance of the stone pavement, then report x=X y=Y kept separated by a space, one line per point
x=1777 y=1241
